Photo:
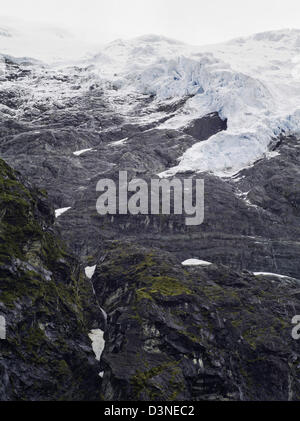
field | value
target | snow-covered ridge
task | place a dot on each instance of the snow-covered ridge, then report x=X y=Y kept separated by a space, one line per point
x=253 y=82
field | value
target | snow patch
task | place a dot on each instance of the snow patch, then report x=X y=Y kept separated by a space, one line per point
x=272 y=154
x=196 y=262
x=270 y=274
x=89 y=271
x=59 y=212
x=2 y=327
x=98 y=343
x=78 y=153
x=104 y=314
x=119 y=142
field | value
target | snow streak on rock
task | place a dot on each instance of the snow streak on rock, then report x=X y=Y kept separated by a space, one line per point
x=78 y=153
x=2 y=327
x=59 y=212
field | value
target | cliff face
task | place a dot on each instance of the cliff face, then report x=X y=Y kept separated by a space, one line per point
x=196 y=333
x=215 y=332
x=46 y=115
x=44 y=302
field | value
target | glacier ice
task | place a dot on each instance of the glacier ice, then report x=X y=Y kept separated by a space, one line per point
x=253 y=82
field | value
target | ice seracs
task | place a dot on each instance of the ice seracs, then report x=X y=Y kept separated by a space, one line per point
x=253 y=82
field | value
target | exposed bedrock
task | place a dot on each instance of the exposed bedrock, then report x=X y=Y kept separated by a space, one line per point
x=217 y=332
x=47 y=307
x=200 y=333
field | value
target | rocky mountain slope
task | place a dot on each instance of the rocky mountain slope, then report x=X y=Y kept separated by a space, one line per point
x=157 y=107
x=185 y=332
x=47 y=305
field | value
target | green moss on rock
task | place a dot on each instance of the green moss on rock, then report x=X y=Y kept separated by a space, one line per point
x=47 y=302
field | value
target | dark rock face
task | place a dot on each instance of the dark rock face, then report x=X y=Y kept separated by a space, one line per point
x=173 y=333
x=251 y=221
x=201 y=333
x=45 y=301
x=204 y=128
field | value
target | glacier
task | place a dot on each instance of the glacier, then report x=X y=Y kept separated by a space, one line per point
x=252 y=82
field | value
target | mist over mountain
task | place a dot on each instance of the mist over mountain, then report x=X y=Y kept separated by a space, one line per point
x=46 y=42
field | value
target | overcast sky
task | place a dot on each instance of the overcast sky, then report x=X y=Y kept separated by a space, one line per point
x=192 y=21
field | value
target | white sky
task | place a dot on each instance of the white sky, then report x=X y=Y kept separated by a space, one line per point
x=192 y=21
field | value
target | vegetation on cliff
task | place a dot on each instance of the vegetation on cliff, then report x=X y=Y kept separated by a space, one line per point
x=45 y=300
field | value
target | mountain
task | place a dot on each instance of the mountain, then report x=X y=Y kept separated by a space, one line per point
x=156 y=107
